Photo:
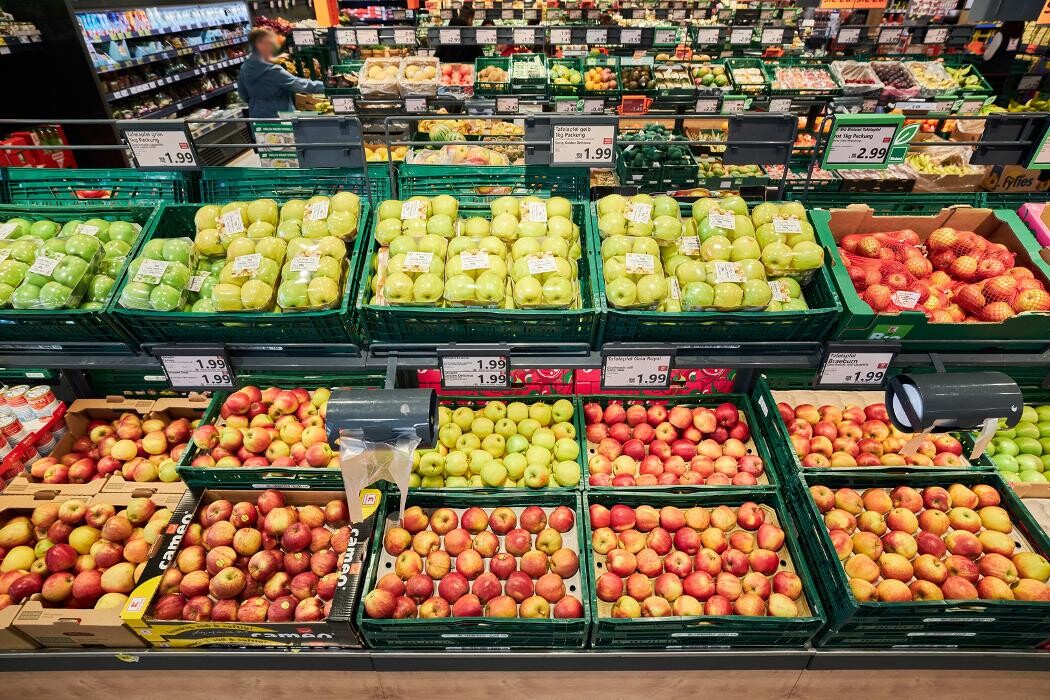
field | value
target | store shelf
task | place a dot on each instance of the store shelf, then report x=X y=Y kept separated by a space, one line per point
x=187 y=103
x=105 y=38
x=20 y=43
x=178 y=77
x=165 y=55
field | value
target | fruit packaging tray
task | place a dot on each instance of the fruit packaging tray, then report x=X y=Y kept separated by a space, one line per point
x=710 y=631
x=462 y=633
x=929 y=623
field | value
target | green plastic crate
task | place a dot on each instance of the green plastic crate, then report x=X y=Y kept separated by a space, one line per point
x=736 y=63
x=610 y=62
x=326 y=326
x=802 y=92
x=117 y=187
x=222 y=185
x=528 y=86
x=480 y=632
x=130 y=383
x=490 y=89
x=414 y=324
x=744 y=402
x=566 y=89
x=711 y=631
x=483 y=184
x=348 y=67
x=859 y=322
x=897 y=203
x=970 y=623
x=626 y=325
x=74 y=325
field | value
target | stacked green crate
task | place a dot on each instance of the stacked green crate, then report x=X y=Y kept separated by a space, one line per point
x=118 y=187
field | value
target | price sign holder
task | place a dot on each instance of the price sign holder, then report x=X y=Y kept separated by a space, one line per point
x=937 y=35
x=415 y=105
x=159 y=145
x=506 y=105
x=468 y=367
x=572 y=142
x=855 y=365
x=740 y=36
x=1030 y=82
x=345 y=37
x=849 y=35
x=344 y=105
x=863 y=141
x=196 y=367
x=303 y=37
x=708 y=105
x=1026 y=135
x=630 y=367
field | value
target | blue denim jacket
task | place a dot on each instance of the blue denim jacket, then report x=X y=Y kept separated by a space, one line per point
x=268 y=88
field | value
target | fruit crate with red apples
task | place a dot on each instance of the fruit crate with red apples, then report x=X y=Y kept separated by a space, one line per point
x=214 y=579
x=76 y=325
x=701 y=442
x=627 y=325
x=693 y=592
x=119 y=187
x=534 y=542
x=545 y=421
x=465 y=324
x=267 y=327
x=997 y=227
x=97 y=587
x=864 y=440
x=1015 y=612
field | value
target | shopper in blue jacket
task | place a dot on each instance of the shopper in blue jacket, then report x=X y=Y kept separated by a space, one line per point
x=265 y=86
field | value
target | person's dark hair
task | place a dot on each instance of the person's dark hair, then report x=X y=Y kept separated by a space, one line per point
x=257 y=34
x=466 y=12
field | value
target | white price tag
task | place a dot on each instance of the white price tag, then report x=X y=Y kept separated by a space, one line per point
x=474 y=260
x=507 y=14
x=485 y=36
x=735 y=106
x=583 y=144
x=415 y=104
x=787 y=224
x=855 y=368
x=861 y=144
x=318 y=211
x=540 y=264
x=160 y=148
x=678 y=15
x=597 y=36
x=232 y=223
x=344 y=105
x=405 y=37
x=246 y=265
x=303 y=37
x=779 y=291
x=367 y=37
x=676 y=289
x=638 y=212
x=413 y=209
x=46 y=263
x=722 y=219
x=566 y=106
x=772 y=35
x=689 y=245
x=150 y=271
x=937 y=35
x=779 y=104
x=665 y=36
x=558 y=36
x=524 y=36
x=535 y=211
x=890 y=35
x=449 y=36
x=345 y=37
x=416 y=261
x=905 y=299
x=203 y=371
x=729 y=272
x=6 y=230
x=706 y=105
x=1013 y=44
x=470 y=372
x=507 y=105
x=707 y=35
x=740 y=35
x=849 y=35
x=630 y=36
x=640 y=264
x=305 y=262
x=593 y=106
x=87 y=230
x=196 y=282
x=971 y=106
x=636 y=371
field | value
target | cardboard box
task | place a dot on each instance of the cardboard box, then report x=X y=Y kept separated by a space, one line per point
x=62 y=628
x=1037 y=216
x=1014 y=178
x=335 y=631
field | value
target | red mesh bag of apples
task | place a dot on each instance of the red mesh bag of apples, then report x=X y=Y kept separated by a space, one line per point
x=888 y=284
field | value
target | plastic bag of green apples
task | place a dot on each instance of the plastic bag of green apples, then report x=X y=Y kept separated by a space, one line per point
x=22 y=240
x=313 y=274
x=1022 y=453
x=159 y=276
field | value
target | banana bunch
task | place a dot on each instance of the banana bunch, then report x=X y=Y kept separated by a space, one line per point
x=964 y=77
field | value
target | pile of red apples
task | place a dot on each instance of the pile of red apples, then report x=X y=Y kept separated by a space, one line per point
x=478 y=564
x=830 y=436
x=267 y=428
x=663 y=446
x=77 y=555
x=697 y=561
x=934 y=543
x=141 y=450
x=257 y=562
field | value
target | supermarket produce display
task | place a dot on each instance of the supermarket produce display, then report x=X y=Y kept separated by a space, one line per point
x=662 y=272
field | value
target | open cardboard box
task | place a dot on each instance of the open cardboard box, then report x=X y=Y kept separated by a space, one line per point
x=859 y=322
x=336 y=630
x=62 y=628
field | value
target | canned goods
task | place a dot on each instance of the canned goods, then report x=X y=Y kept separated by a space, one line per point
x=15 y=396
x=40 y=398
x=5 y=450
x=31 y=455
x=45 y=412
x=10 y=426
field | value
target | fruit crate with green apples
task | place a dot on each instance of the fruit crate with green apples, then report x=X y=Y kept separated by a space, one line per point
x=486 y=69
x=331 y=325
x=989 y=591
x=89 y=322
x=853 y=432
x=118 y=187
x=499 y=181
x=627 y=324
x=997 y=227
x=1021 y=454
x=714 y=441
x=530 y=442
x=476 y=323
x=654 y=589
x=223 y=185
x=749 y=75
x=534 y=592
x=566 y=76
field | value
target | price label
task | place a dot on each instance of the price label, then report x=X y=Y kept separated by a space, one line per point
x=405 y=37
x=524 y=36
x=575 y=14
x=303 y=37
x=413 y=209
x=246 y=265
x=593 y=106
x=535 y=212
x=196 y=282
x=485 y=36
x=707 y=105
x=860 y=144
x=733 y=106
x=87 y=230
x=722 y=219
x=46 y=263
x=855 y=368
x=317 y=211
x=905 y=299
x=740 y=35
x=689 y=245
x=780 y=104
x=305 y=262
x=449 y=36
x=160 y=148
x=971 y=106
x=507 y=14
x=232 y=222
x=1029 y=82
x=678 y=14
x=937 y=35
x=629 y=370
x=849 y=35
x=345 y=37
x=772 y=35
x=344 y=105
x=583 y=144
x=416 y=261
x=367 y=36
x=566 y=106
x=638 y=212
x=541 y=263
x=665 y=36
x=474 y=371
x=676 y=289
x=150 y=271
x=415 y=104
x=729 y=272
x=197 y=371
x=787 y=224
x=474 y=260
x=6 y=230
x=630 y=36
x=639 y=264
x=559 y=36
x=707 y=35
x=507 y=105
x=890 y=35
x=779 y=291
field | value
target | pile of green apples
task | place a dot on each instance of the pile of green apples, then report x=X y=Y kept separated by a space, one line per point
x=22 y=240
x=159 y=275
x=1022 y=453
x=501 y=444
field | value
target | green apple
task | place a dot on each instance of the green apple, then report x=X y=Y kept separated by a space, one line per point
x=566 y=449
x=494 y=474
x=1026 y=429
x=698 y=296
x=517 y=411
x=54 y=295
x=456 y=463
x=612 y=224
x=528 y=292
x=505 y=205
x=1005 y=462
x=652 y=289
x=322 y=291
x=763 y=213
x=459 y=288
x=255 y=294
x=69 y=271
x=795 y=209
x=449 y=434
x=100 y=287
x=476 y=226
x=292 y=294
x=558 y=292
x=44 y=229
x=537 y=476
x=716 y=248
x=1029 y=414
x=1043 y=412
x=777 y=256
x=25 y=296
x=690 y=271
x=506 y=427
x=612 y=202
x=526 y=428
x=1033 y=477
x=1028 y=445
x=757 y=294
x=206 y=217
x=667 y=229
x=517 y=443
x=622 y=292
x=1029 y=462
x=12 y=272
x=752 y=269
x=263 y=211
x=427 y=288
x=494 y=444
x=515 y=464
x=504 y=226
x=567 y=473
x=745 y=248
x=734 y=204
x=664 y=205
x=729 y=295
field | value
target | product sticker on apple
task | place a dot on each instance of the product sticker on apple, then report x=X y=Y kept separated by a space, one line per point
x=246 y=265
x=779 y=290
x=535 y=211
x=196 y=282
x=413 y=209
x=676 y=290
x=416 y=261
x=640 y=264
x=318 y=211
x=46 y=263
x=7 y=229
x=904 y=299
x=87 y=230
x=541 y=263
x=232 y=223
x=689 y=245
x=474 y=260
x=728 y=272
x=638 y=212
x=306 y=263
x=150 y=271
x=787 y=224
x=723 y=219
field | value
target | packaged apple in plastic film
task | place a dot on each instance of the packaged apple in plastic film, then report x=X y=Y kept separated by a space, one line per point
x=476 y=272
x=248 y=279
x=158 y=278
x=199 y=288
x=543 y=279
x=412 y=217
x=18 y=227
x=411 y=271
x=216 y=226
x=15 y=258
x=634 y=279
x=117 y=238
x=636 y=215
x=786 y=295
x=887 y=285
x=313 y=274
x=59 y=274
